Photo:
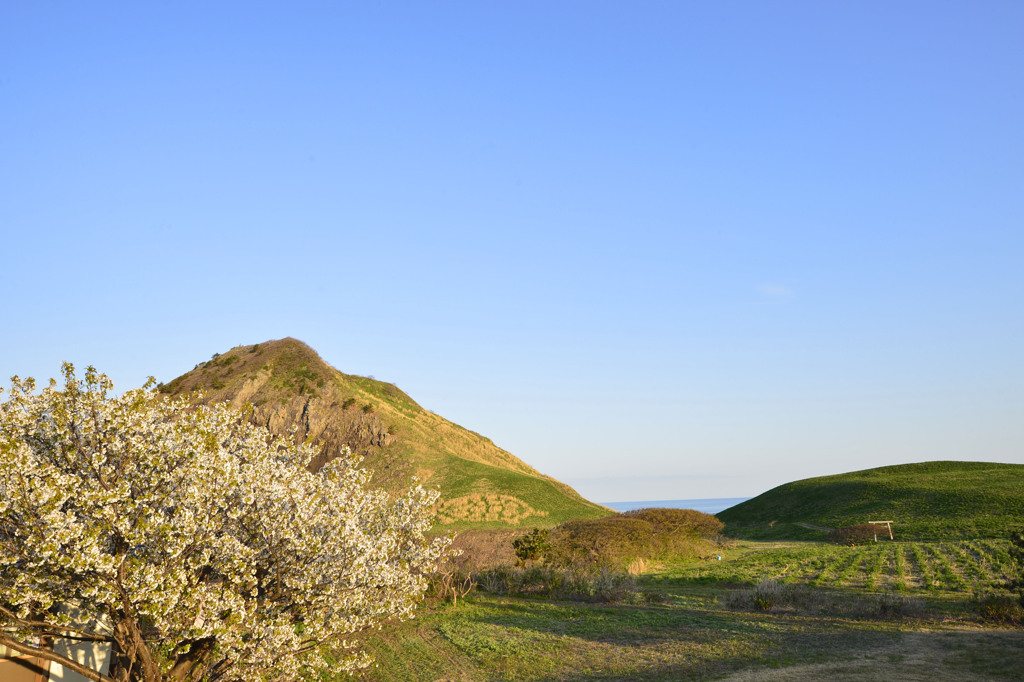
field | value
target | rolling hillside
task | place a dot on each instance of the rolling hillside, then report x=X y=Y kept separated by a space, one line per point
x=929 y=500
x=289 y=385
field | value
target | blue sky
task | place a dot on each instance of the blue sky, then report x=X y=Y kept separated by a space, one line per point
x=657 y=250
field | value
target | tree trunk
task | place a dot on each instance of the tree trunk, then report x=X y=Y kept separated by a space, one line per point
x=196 y=659
x=131 y=659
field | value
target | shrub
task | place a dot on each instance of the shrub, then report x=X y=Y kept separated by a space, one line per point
x=854 y=535
x=596 y=585
x=766 y=594
x=611 y=586
x=449 y=583
x=770 y=594
x=500 y=579
x=895 y=605
x=667 y=521
x=533 y=546
x=349 y=402
x=611 y=541
x=616 y=541
x=483 y=548
x=737 y=600
x=998 y=608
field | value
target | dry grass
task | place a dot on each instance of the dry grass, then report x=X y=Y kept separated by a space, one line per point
x=481 y=549
x=486 y=507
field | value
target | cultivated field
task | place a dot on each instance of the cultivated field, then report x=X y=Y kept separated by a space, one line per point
x=908 y=567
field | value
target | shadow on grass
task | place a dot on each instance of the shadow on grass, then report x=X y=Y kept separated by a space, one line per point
x=846 y=654
x=918 y=656
x=608 y=622
x=574 y=642
x=506 y=638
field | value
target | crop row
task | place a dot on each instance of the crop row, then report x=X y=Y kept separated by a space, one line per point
x=958 y=566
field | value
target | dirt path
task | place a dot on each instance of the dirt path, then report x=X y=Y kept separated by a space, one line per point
x=965 y=655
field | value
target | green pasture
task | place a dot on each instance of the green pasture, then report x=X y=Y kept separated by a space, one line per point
x=927 y=501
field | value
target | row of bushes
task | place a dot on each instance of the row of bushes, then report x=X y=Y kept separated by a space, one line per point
x=600 y=585
x=772 y=595
x=594 y=585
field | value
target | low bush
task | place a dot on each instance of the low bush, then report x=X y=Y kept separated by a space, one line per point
x=449 y=583
x=533 y=546
x=769 y=594
x=483 y=548
x=896 y=605
x=610 y=542
x=772 y=595
x=855 y=535
x=994 y=607
x=600 y=585
x=766 y=594
x=498 y=580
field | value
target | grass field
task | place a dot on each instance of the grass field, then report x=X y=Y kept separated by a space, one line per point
x=927 y=501
x=884 y=611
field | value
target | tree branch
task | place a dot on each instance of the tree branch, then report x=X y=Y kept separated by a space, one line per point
x=48 y=655
x=57 y=630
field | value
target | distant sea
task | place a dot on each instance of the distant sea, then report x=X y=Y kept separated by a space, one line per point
x=708 y=505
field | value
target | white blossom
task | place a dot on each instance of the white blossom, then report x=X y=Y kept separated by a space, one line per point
x=206 y=544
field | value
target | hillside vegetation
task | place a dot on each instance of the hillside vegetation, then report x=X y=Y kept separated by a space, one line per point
x=929 y=500
x=289 y=386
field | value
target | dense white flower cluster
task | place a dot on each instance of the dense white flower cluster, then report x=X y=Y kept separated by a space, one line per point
x=204 y=543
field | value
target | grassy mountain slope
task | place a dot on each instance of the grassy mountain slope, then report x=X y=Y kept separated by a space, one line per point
x=929 y=500
x=290 y=386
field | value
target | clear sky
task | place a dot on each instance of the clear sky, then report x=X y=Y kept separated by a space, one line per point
x=655 y=249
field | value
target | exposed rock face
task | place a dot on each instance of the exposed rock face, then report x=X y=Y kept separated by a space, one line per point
x=290 y=389
x=325 y=422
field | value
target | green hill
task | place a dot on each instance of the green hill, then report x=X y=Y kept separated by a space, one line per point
x=929 y=500
x=290 y=386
